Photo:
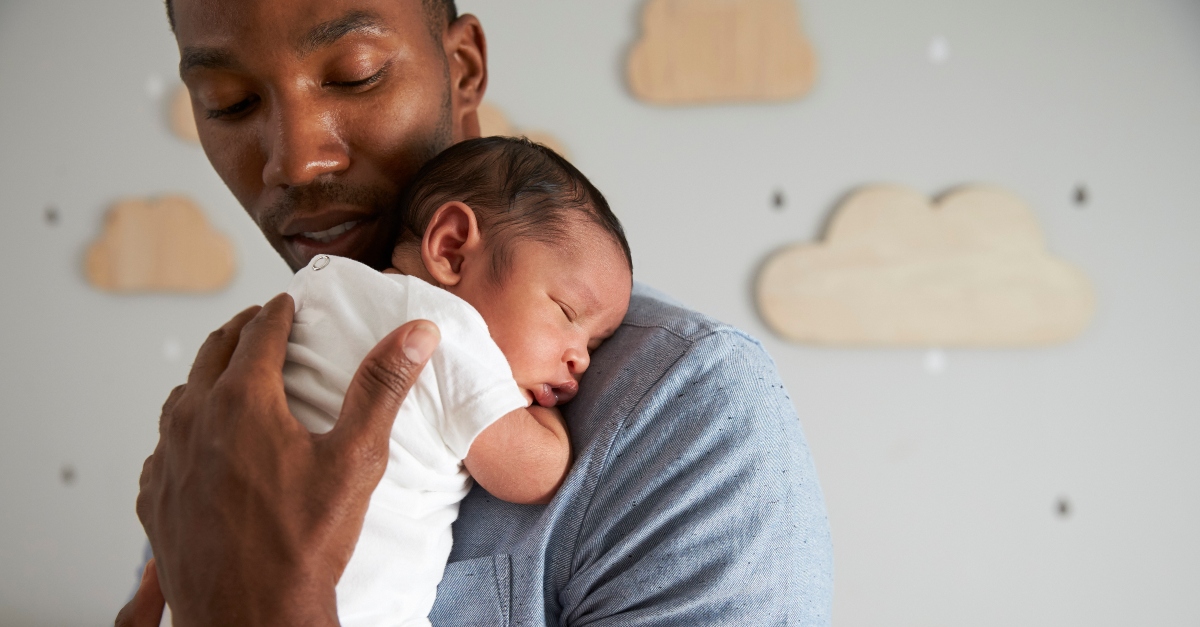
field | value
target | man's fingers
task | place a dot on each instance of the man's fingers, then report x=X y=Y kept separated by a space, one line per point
x=148 y=467
x=146 y=608
x=164 y=418
x=213 y=356
x=254 y=376
x=377 y=390
x=262 y=346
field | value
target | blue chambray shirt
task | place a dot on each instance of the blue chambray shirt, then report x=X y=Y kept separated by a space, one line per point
x=693 y=499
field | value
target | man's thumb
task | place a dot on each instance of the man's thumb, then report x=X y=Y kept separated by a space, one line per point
x=146 y=607
x=377 y=390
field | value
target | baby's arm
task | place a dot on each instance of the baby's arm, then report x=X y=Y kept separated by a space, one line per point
x=522 y=457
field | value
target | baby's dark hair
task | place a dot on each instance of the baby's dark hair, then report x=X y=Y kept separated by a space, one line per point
x=517 y=189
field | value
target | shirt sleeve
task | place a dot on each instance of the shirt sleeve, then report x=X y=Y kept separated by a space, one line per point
x=708 y=510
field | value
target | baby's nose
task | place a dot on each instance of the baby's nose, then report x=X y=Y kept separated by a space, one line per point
x=578 y=361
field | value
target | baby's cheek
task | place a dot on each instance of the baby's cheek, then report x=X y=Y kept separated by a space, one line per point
x=524 y=359
x=535 y=360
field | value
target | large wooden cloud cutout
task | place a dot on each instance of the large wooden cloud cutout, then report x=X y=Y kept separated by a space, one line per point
x=159 y=245
x=894 y=269
x=706 y=51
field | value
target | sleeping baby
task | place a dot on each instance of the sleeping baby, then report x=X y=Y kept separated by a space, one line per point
x=519 y=261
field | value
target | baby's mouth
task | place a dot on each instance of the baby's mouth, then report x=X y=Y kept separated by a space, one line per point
x=548 y=395
x=544 y=395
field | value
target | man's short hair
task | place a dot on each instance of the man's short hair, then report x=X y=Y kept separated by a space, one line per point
x=437 y=12
x=518 y=190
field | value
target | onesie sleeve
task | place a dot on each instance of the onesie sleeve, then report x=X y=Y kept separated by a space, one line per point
x=475 y=381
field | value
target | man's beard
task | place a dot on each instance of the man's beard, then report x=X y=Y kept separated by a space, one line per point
x=302 y=200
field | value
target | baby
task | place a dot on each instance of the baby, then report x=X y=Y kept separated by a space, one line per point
x=519 y=261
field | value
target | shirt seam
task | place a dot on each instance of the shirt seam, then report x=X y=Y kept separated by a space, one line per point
x=708 y=332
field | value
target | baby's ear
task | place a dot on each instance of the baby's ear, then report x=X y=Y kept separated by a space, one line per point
x=451 y=237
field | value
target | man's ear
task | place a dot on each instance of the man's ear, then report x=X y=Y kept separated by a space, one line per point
x=451 y=238
x=466 y=55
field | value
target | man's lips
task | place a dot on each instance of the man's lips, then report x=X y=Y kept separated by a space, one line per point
x=322 y=223
x=326 y=235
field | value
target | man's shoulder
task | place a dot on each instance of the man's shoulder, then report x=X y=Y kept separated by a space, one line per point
x=659 y=328
x=650 y=308
x=667 y=361
x=693 y=473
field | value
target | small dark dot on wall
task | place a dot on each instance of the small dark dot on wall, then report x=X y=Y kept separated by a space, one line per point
x=1081 y=195
x=778 y=200
x=1063 y=508
x=51 y=215
x=67 y=474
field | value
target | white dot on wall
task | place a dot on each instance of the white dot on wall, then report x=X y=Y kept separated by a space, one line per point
x=155 y=86
x=939 y=50
x=172 y=350
x=935 y=361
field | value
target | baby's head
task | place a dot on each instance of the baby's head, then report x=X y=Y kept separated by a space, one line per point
x=520 y=234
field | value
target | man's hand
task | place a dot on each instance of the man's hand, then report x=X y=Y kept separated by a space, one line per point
x=146 y=608
x=251 y=518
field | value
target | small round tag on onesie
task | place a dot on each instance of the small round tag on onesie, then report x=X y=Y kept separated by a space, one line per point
x=320 y=261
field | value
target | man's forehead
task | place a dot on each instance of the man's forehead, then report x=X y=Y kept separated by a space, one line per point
x=304 y=25
x=329 y=31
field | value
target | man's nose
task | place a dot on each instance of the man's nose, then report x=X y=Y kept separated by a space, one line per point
x=302 y=143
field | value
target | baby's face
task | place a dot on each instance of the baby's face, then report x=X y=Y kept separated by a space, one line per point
x=553 y=307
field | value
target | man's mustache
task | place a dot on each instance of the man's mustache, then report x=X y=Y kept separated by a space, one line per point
x=309 y=198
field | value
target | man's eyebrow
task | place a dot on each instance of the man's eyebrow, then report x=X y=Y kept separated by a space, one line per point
x=321 y=35
x=326 y=33
x=209 y=58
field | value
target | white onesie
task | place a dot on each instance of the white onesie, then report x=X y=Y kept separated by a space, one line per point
x=343 y=309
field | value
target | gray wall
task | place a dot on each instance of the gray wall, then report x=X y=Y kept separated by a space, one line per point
x=942 y=485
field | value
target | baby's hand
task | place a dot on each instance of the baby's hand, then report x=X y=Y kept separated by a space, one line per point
x=522 y=457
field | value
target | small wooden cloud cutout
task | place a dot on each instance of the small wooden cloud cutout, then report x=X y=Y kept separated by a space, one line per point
x=493 y=121
x=159 y=245
x=183 y=123
x=895 y=270
x=703 y=51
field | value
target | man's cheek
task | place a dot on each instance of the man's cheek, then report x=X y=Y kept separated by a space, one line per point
x=242 y=174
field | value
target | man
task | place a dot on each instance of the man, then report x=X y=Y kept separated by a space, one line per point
x=692 y=501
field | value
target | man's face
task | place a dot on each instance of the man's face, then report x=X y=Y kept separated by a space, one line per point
x=316 y=113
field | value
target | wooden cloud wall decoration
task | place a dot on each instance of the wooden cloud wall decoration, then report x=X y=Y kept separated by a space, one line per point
x=707 y=51
x=493 y=121
x=179 y=114
x=894 y=269
x=159 y=245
